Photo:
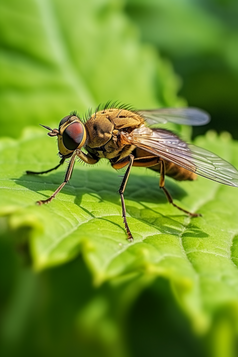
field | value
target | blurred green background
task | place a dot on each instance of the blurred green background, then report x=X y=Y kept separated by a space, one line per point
x=200 y=37
x=60 y=56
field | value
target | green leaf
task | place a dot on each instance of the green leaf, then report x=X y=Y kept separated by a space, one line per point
x=57 y=57
x=198 y=256
x=72 y=56
x=201 y=44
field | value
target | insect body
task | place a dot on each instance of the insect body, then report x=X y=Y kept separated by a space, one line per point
x=125 y=138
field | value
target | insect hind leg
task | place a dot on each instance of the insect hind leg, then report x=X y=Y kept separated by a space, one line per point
x=167 y=194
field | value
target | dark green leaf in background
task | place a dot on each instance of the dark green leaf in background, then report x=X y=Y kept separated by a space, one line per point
x=57 y=57
x=201 y=39
x=70 y=282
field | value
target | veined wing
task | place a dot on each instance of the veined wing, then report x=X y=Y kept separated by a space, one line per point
x=168 y=146
x=185 y=116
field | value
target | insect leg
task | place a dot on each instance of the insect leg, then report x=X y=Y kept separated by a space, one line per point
x=45 y=172
x=167 y=194
x=66 y=179
x=121 y=192
x=87 y=158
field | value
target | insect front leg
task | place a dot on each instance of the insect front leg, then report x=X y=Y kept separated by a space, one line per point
x=167 y=194
x=46 y=171
x=66 y=179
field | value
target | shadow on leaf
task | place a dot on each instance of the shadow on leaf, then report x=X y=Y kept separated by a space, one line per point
x=103 y=185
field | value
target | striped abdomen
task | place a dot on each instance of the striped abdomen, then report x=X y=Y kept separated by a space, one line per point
x=176 y=172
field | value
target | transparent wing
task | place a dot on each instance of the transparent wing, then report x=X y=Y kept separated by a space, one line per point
x=186 y=116
x=193 y=158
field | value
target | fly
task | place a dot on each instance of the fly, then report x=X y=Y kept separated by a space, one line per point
x=126 y=138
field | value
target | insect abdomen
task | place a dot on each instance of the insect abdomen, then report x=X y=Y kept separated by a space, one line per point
x=176 y=172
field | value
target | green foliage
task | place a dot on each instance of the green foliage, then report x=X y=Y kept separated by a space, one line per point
x=198 y=257
x=201 y=39
x=74 y=55
x=70 y=282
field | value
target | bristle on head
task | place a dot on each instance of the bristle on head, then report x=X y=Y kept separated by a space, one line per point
x=75 y=113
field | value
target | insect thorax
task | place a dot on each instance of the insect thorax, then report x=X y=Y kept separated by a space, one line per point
x=104 y=130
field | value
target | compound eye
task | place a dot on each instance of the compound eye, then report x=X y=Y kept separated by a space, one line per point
x=73 y=135
x=64 y=120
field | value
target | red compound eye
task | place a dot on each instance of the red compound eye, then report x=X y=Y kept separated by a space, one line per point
x=73 y=135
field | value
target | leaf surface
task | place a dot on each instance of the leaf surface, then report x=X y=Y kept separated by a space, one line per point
x=198 y=256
